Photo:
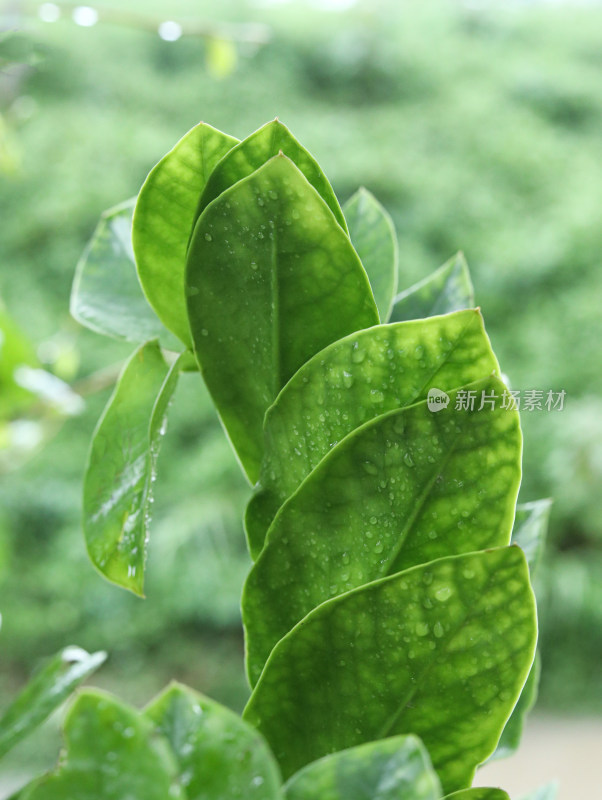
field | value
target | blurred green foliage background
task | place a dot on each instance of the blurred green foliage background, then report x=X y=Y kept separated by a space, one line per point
x=478 y=125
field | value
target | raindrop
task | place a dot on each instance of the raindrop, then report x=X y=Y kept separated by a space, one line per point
x=208 y=237
x=443 y=593
x=408 y=460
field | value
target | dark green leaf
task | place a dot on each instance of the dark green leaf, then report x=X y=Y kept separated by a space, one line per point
x=406 y=488
x=47 y=689
x=393 y=769
x=440 y=650
x=218 y=755
x=531 y=528
x=111 y=754
x=106 y=295
x=513 y=732
x=353 y=381
x=163 y=219
x=121 y=466
x=271 y=280
x=253 y=152
x=448 y=289
x=373 y=235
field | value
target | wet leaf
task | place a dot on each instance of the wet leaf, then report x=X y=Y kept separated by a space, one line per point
x=513 y=732
x=271 y=280
x=405 y=488
x=163 y=219
x=45 y=692
x=440 y=650
x=373 y=235
x=352 y=381
x=110 y=753
x=106 y=295
x=397 y=768
x=448 y=289
x=121 y=466
x=253 y=152
x=218 y=755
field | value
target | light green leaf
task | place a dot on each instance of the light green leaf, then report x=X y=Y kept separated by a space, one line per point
x=106 y=295
x=547 y=792
x=163 y=220
x=441 y=650
x=398 y=768
x=218 y=755
x=531 y=529
x=253 y=152
x=361 y=377
x=478 y=794
x=45 y=692
x=111 y=753
x=513 y=732
x=271 y=280
x=373 y=235
x=121 y=466
x=406 y=488
x=448 y=289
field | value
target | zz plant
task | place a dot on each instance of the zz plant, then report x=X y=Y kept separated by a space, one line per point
x=389 y=618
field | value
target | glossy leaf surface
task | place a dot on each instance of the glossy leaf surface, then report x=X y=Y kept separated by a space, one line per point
x=45 y=692
x=531 y=529
x=262 y=145
x=110 y=754
x=353 y=381
x=397 y=768
x=513 y=731
x=441 y=651
x=106 y=295
x=218 y=755
x=271 y=280
x=448 y=289
x=373 y=235
x=406 y=488
x=121 y=466
x=163 y=219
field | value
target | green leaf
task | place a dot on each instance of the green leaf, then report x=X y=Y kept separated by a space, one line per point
x=405 y=488
x=106 y=295
x=478 y=794
x=352 y=381
x=398 y=768
x=45 y=692
x=448 y=289
x=265 y=295
x=512 y=734
x=253 y=152
x=163 y=220
x=531 y=529
x=218 y=755
x=441 y=650
x=373 y=235
x=111 y=754
x=121 y=466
